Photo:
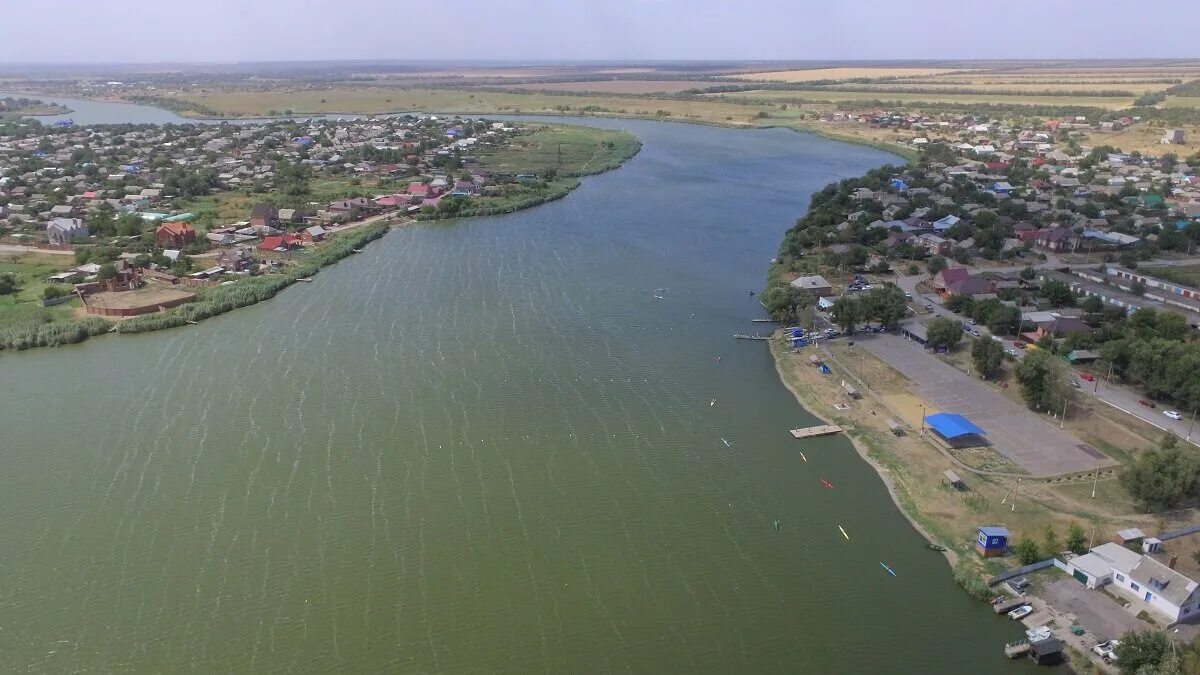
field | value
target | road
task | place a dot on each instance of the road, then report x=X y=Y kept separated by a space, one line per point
x=10 y=248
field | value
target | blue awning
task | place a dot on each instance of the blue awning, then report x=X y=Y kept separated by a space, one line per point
x=949 y=425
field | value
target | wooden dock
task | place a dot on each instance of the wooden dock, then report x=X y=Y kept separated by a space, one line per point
x=813 y=432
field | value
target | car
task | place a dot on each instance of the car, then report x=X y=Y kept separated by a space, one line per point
x=1173 y=414
x=1088 y=376
x=1020 y=612
x=908 y=295
x=1019 y=345
x=1075 y=383
x=974 y=332
x=1107 y=650
x=1012 y=352
x=1147 y=402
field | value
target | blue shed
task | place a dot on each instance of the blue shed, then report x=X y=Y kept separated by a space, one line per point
x=898 y=184
x=992 y=541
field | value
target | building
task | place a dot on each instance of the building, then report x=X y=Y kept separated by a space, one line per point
x=955 y=430
x=314 y=234
x=1095 y=568
x=175 y=235
x=236 y=259
x=1167 y=593
x=814 y=285
x=1172 y=137
x=991 y=541
x=1131 y=536
x=1057 y=239
x=66 y=230
x=264 y=215
x=975 y=287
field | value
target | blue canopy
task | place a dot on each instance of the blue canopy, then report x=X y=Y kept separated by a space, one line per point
x=950 y=425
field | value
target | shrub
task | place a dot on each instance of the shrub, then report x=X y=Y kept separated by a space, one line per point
x=972 y=583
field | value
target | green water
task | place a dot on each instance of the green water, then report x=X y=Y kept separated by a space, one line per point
x=481 y=446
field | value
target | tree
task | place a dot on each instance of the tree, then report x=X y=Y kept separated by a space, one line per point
x=936 y=264
x=1004 y=320
x=1161 y=478
x=1028 y=273
x=1043 y=380
x=1051 y=546
x=1140 y=649
x=785 y=302
x=1075 y=538
x=8 y=284
x=107 y=271
x=1026 y=550
x=1058 y=293
x=885 y=304
x=913 y=269
x=987 y=355
x=846 y=312
x=943 y=333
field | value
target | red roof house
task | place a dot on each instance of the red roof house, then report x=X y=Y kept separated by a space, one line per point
x=175 y=235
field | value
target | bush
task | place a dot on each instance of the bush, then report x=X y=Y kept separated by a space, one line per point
x=51 y=334
x=972 y=583
x=51 y=292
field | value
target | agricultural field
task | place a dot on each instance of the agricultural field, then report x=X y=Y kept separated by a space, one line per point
x=1031 y=87
x=836 y=74
x=1109 y=102
x=1144 y=138
x=616 y=86
x=1182 y=102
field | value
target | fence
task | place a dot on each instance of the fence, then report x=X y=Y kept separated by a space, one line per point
x=1000 y=578
x=1179 y=533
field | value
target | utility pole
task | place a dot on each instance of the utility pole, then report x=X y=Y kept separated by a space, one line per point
x=1094 y=482
x=1191 y=426
x=1062 y=423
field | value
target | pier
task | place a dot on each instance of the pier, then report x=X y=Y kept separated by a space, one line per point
x=813 y=432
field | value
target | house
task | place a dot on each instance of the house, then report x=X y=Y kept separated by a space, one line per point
x=991 y=541
x=66 y=230
x=976 y=287
x=280 y=243
x=1057 y=239
x=1129 y=536
x=815 y=285
x=176 y=235
x=933 y=243
x=264 y=215
x=314 y=234
x=1096 y=568
x=1167 y=593
x=236 y=259
x=62 y=211
x=1061 y=326
x=1046 y=652
x=943 y=224
x=947 y=276
x=1172 y=137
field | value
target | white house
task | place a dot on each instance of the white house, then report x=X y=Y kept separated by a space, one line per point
x=1096 y=568
x=1169 y=593
x=66 y=230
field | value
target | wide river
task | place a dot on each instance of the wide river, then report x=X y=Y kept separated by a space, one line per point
x=479 y=446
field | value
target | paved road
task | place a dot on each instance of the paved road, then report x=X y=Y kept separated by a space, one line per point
x=10 y=248
x=1026 y=438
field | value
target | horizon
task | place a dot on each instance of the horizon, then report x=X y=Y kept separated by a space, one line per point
x=525 y=31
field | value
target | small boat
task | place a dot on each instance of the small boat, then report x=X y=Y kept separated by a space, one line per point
x=191 y=322
x=776 y=524
x=763 y=320
x=844 y=533
x=826 y=483
x=727 y=444
x=802 y=456
x=935 y=547
x=889 y=570
x=712 y=403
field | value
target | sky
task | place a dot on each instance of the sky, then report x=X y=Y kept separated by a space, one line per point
x=174 y=31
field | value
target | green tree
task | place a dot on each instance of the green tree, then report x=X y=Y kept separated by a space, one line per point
x=913 y=269
x=886 y=304
x=846 y=312
x=107 y=271
x=1026 y=550
x=936 y=264
x=1141 y=649
x=1004 y=320
x=1058 y=293
x=987 y=355
x=784 y=302
x=1162 y=478
x=943 y=333
x=8 y=284
x=1043 y=380
x=1028 y=273
x=1075 y=537
x=1051 y=545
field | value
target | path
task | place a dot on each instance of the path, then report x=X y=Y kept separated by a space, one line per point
x=12 y=248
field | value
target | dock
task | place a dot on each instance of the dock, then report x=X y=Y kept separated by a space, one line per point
x=741 y=336
x=1015 y=650
x=813 y=432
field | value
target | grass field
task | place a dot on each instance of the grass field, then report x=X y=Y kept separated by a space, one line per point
x=226 y=208
x=1189 y=275
x=383 y=100
x=1113 y=103
x=1182 y=102
x=989 y=86
x=25 y=306
x=1145 y=139
x=570 y=150
x=616 y=86
x=835 y=74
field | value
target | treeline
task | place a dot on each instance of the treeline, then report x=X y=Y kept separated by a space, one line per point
x=174 y=104
x=1150 y=349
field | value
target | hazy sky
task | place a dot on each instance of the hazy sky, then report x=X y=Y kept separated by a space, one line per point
x=278 y=30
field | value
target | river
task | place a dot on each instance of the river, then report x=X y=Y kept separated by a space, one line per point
x=477 y=446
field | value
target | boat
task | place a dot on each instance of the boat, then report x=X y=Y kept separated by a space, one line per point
x=889 y=570
x=727 y=444
x=756 y=336
x=844 y=533
x=935 y=547
x=826 y=483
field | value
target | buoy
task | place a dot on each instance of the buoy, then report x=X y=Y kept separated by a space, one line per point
x=844 y=533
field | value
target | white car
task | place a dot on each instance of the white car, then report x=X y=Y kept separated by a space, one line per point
x=1020 y=612
x=1173 y=414
x=1107 y=650
x=1012 y=352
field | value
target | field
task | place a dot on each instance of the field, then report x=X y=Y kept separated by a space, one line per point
x=616 y=86
x=31 y=270
x=570 y=150
x=1113 y=103
x=836 y=74
x=1182 y=102
x=987 y=86
x=226 y=208
x=1144 y=138
x=389 y=100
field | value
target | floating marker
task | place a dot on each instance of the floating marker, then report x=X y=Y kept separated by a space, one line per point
x=844 y=533
x=889 y=570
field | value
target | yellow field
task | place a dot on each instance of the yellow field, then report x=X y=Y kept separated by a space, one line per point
x=1144 y=139
x=1033 y=87
x=616 y=86
x=1113 y=103
x=385 y=100
x=836 y=74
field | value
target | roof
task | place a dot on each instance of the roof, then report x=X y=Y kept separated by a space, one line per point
x=1131 y=533
x=952 y=274
x=970 y=286
x=1047 y=647
x=951 y=425
x=178 y=228
x=1162 y=580
x=814 y=281
x=1117 y=556
x=949 y=473
x=994 y=530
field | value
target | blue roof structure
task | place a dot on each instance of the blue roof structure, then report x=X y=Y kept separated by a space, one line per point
x=994 y=531
x=949 y=425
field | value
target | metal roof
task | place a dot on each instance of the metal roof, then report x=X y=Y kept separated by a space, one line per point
x=950 y=425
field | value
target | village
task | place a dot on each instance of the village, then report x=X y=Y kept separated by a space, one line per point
x=126 y=220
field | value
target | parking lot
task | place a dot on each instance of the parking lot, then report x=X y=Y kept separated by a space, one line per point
x=1100 y=615
x=1026 y=438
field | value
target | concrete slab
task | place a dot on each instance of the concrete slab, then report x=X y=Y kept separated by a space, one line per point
x=1025 y=437
x=1098 y=614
